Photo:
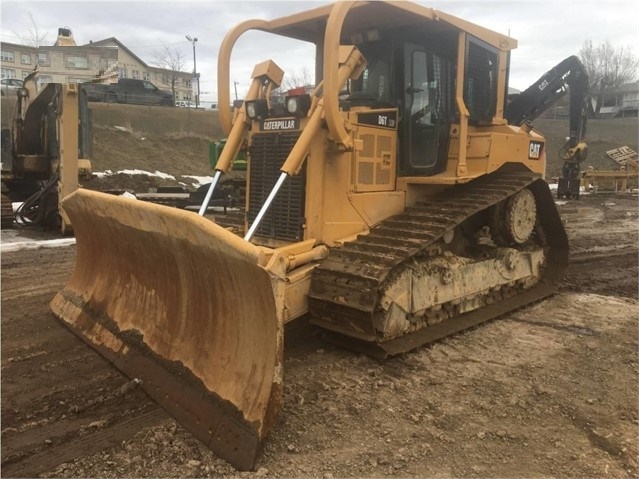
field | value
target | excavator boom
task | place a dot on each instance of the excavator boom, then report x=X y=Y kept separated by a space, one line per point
x=571 y=76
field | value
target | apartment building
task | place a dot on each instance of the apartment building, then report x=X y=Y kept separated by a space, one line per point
x=621 y=102
x=132 y=66
x=17 y=61
x=66 y=62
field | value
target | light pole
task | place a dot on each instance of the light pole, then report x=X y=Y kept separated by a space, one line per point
x=195 y=75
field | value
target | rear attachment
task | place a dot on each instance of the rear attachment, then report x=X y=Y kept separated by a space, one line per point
x=184 y=306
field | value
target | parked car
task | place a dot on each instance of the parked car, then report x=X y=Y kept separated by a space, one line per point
x=129 y=90
x=9 y=86
x=183 y=104
x=95 y=91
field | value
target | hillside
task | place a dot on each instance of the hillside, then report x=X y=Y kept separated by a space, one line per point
x=176 y=141
x=602 y=136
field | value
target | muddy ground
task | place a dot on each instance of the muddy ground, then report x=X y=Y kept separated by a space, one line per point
x=547 y=391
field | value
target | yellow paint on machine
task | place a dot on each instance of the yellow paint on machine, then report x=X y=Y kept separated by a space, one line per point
x=166 y=286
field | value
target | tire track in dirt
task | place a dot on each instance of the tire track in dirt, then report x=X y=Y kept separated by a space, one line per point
x=67 y=446
x=60 y=400
x=613 y=273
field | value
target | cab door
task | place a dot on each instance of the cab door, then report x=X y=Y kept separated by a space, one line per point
x=424 y=126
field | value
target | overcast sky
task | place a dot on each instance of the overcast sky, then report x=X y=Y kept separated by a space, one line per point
x=547 y=31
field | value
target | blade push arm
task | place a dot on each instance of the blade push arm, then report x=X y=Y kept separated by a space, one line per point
x=266 y=76
x=352 y=62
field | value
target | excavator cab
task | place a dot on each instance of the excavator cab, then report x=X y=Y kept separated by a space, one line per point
x=395 y=204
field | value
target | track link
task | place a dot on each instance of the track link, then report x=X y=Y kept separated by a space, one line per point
x=346 y=286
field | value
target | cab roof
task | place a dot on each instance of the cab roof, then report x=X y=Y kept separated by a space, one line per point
x=365 y=16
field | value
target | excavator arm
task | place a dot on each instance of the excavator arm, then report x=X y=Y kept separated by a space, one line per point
x=568 y=76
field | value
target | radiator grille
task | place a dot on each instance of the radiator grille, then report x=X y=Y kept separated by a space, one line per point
x=366 y=174
x=285 y=218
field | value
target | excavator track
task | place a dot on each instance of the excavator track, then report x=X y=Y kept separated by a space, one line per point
x=347 y=287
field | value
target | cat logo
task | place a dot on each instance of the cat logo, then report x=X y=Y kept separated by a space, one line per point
x=535 y=149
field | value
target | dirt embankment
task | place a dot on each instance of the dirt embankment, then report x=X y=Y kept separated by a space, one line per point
x=602 y=136
x=176 y=140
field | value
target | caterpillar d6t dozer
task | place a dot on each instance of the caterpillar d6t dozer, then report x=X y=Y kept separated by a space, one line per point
x=395 y=204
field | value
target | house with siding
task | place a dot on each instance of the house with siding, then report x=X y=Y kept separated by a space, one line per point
x=621 y=102
x=66 y=62
x=132 y=66
x=17 y=61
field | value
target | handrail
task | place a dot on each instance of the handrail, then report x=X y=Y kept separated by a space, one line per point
x=223 y=69
x=334 y=120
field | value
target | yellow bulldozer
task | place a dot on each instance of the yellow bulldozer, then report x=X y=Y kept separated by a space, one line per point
x=395 y=204
x=44 y=153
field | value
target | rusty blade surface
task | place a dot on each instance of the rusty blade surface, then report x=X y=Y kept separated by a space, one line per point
x=183 y=305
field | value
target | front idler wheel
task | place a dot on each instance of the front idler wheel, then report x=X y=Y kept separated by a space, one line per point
x=513 y=220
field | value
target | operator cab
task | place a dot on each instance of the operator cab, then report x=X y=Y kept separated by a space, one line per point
x=416 y=74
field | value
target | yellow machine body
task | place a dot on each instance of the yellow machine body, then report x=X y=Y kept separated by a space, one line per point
x=46 y=145
x=359 y=210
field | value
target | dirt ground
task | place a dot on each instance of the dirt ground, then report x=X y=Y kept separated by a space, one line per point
x=547 y=391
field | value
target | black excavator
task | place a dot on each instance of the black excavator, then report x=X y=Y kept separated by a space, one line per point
x=568 y=76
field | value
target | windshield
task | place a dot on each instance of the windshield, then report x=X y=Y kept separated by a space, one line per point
x=375 y=82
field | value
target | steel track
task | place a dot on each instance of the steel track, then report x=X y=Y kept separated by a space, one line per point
x=346 y=286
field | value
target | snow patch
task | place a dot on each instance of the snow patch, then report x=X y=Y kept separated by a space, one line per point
x=159 y=174
x=199 y=180
x=33 y=244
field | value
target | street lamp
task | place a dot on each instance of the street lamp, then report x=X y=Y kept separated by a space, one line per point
x=195 y=75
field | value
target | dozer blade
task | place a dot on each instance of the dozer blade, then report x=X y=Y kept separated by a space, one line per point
x=184 y=306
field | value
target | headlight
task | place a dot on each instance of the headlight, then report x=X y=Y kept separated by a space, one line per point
x=298 y=105
x=257 y=109
x=291 y=104
x=250 y=110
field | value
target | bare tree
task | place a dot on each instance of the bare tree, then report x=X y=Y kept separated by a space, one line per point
x=296 y=78
x=172 y=61
x=33 y=37
x=608 y=67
